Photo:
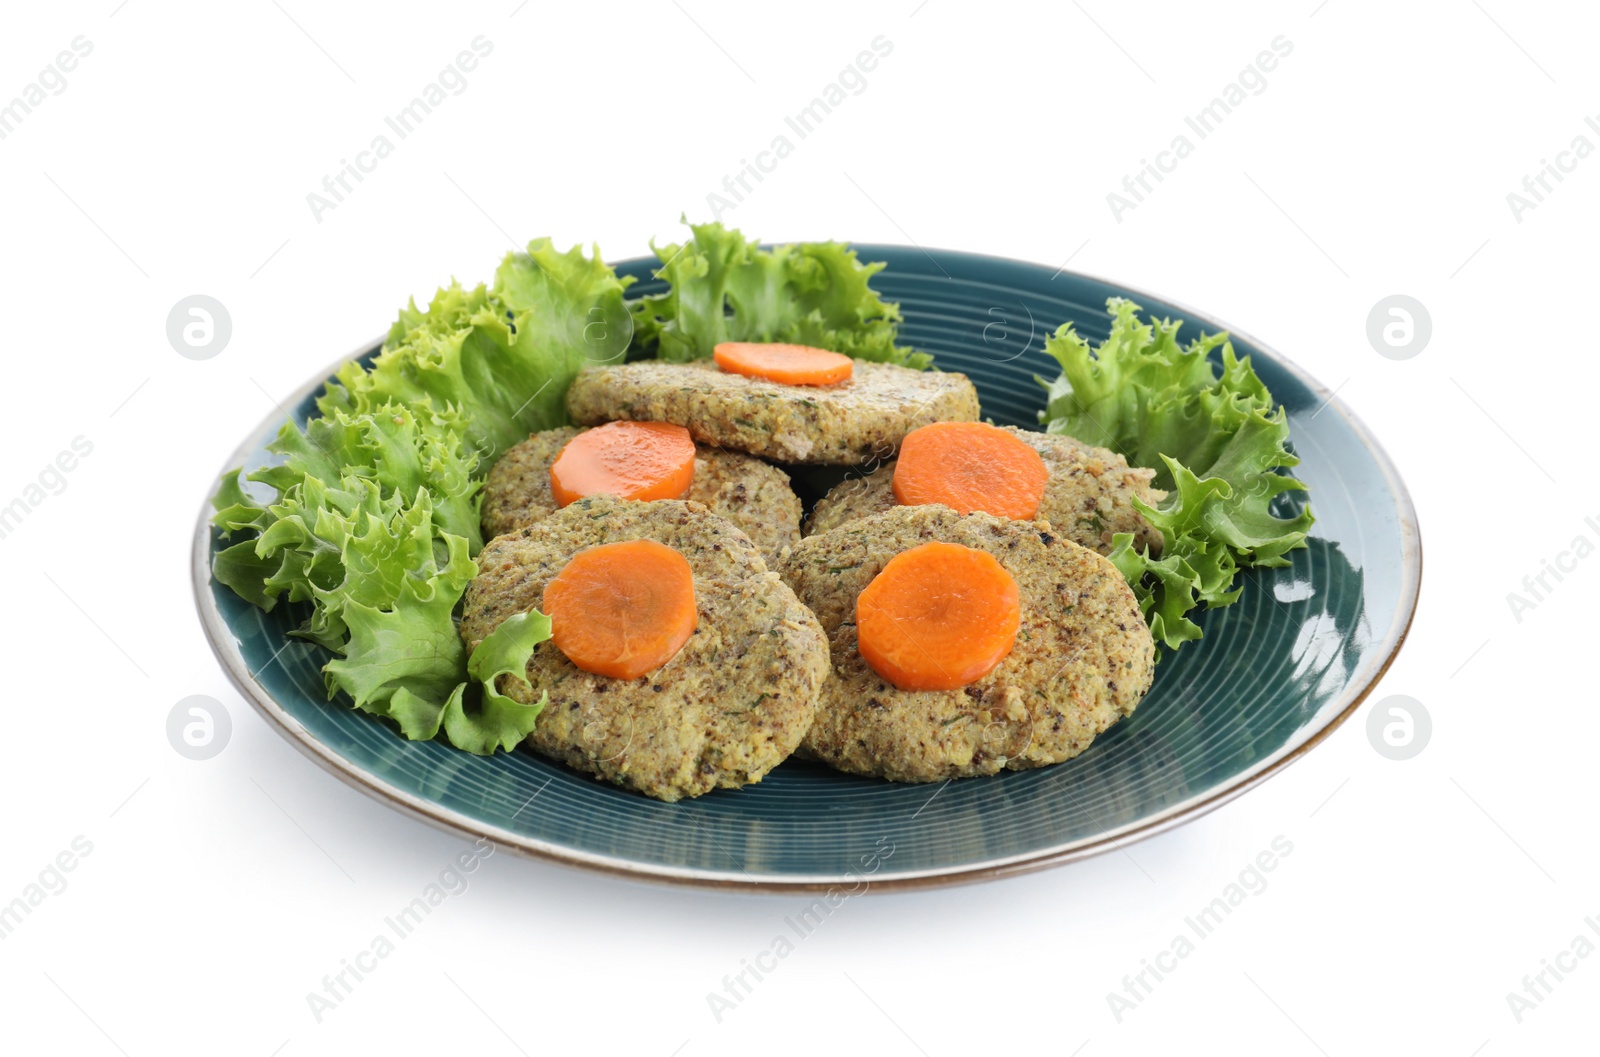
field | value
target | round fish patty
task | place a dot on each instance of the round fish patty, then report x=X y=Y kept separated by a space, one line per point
x=1083 y=657
x=726 y=709
x=856 y=421
x=748 y=492
x=1087 y=498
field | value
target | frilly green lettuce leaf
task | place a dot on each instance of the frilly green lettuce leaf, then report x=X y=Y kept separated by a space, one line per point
x=371 y=512
x=500 y=720
x=573 y=303
x=386 y=606
x=235 y=508
x=407 y=662
x=385 y=583
x=1217 y=440
x=409 y=647
x=360 y=495
x=239 y=567
x=501 y=358
x=403 y=449
x=336 y=547
x=724 y=288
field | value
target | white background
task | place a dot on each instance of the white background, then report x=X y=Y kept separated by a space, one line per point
x=1376 y=161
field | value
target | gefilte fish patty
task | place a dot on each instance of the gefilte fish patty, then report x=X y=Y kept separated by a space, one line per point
x=856 y=421
x=731 y=705
x=1083 y=656
x=1087 y=498
x=754 y=495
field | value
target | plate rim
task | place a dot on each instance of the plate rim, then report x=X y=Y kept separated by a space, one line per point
x=223 y=646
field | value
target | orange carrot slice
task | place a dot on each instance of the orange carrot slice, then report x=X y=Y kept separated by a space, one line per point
x=938 y=617
x=630 y=460
x=622 y=609
x=786 y=364
x=970 y=466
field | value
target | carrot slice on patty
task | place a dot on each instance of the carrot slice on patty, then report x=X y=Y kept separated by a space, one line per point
x=938 y=617
x=630 y=460
x=622 y=609
x=786 y=364
x=970 y=466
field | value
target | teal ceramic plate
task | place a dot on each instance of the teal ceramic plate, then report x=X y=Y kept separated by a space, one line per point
x=1273 y=675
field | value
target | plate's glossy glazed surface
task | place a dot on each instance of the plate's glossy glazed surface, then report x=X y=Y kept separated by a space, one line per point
x=1274 y=673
